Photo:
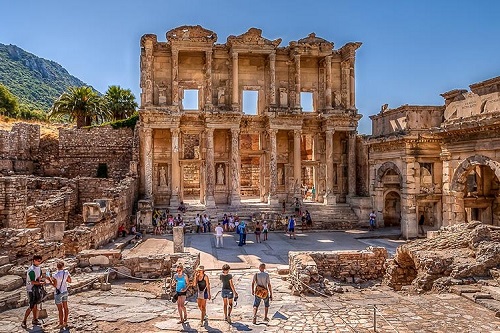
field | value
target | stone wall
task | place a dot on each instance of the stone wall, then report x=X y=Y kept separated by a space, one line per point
x=17 y=148
x=311 y=267
x=82 y=150
x=13 y=201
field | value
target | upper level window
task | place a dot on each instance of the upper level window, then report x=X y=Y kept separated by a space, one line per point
x=190 y=100
x=306 y=101
x=250 y=102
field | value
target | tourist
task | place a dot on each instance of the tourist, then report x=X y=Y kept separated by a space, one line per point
x=296 y=205
x=179 y=220
x=373 y=216
x=33 y=278
x=133 y=231
x=236 y=223
x=265 y=230
x=182 y=207
x=303 y=221
x=225 y=222
x=181 y=285
x=202 y=285
x=197 y=223
x=261 y=289
x=284 y=207
x=60 y=281
x=231 y=222
x=156 y=221
x=291 y=227
x=257 y=233
x=121 y=231
x=219 y=234
x=313 y=193
x=309 y=221
x=243 y=233
x=421 y=222
x=228 y=292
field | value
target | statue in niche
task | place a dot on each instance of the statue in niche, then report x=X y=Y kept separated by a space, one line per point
x=221 y=96
x=163 y=176
x=162 y=93
x=280 y=176
x=220 y=175
x=196 y=152
x=283 y=97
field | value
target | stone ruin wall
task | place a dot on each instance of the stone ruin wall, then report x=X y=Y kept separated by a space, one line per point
x=13 y=201
x=311 y=267
x=17 y=148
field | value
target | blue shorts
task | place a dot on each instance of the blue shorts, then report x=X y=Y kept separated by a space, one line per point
x=256 y=302
x=60 y=298
x=227 y=293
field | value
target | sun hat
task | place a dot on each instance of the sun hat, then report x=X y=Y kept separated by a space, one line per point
x=200 y=268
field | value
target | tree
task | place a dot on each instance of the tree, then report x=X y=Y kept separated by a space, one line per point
x=82 y=104
x=120 y=102
x=9 y=106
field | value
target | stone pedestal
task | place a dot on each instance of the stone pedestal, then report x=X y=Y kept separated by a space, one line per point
x=54 y=230
x=178 y=233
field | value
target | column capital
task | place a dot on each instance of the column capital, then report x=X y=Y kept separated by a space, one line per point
x=235 y=131
x=297 y=132
x=147 y=130
x=272 y=131
x=175 y=132
x=209 y=130
x=234 y=55
x=329 y=132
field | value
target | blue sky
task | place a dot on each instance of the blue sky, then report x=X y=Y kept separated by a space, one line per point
x=412 y=50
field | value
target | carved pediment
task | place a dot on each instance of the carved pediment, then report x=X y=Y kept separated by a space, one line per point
x=192 y=33
x=252 y=37
x=312 y=39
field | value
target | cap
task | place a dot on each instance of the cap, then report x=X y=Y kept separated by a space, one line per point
x=200 y=268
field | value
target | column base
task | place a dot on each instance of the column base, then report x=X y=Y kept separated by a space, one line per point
x=330 y=200
x=273 y=200
x=210 y=201
x=174 y=201
x=235 y=200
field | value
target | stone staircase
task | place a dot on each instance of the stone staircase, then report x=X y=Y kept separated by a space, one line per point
x=484 y=295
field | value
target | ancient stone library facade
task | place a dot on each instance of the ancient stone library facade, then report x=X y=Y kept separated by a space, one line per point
x=220 y=123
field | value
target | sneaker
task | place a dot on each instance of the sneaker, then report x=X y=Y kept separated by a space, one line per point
x=266 y=319
x=228 y=319
x=254 y=320
x=36 y=322
x=23 y=324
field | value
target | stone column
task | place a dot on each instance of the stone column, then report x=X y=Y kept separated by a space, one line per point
x=272 y=78
x=329 y=196
x=297 y=80
x=297 y=161
x=236 y=86
x=351 y=164
x=328 y=79
x=352 y=86
x=178 y=237
x=148 y=163
x=208 y=78
x=210 y=169
x=448 y=199
x=175 y=77
x=176 y=175
x=273 y=168
x=235 y=167
x=148 y=85
x=345 y=83
x=409 y=227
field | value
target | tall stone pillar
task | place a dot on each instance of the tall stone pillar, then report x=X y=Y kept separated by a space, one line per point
x=409 y=227
x=297 y=161
x=148 y=163
x=297 y=80
x=345 y=83
x=208 y=78
x=272 y=78
x=351 y=164
x=328 y=79
x=175 y=77
x=210 y=169
x=176 y=175
x=448 y=199
x=178 y=238
x=273 y=171
x=235 y=167
x=148 y=84
x=352 y=86
x=236 y=86
x=329 y=196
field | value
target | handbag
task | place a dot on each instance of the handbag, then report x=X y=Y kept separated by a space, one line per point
x=39 y=293
x=261 y=292
x=42 y=313
x=174 y=298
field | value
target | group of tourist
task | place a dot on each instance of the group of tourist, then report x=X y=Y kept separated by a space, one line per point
x=261 y=290
x=35 y=283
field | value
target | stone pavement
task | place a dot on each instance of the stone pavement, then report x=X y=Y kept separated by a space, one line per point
x=132 y=306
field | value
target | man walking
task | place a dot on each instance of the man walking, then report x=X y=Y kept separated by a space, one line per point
x=33 y=278
x=219 y=233
x=261 y=289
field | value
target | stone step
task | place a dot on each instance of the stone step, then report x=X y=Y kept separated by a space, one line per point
x=491 y=304
x=492 y=290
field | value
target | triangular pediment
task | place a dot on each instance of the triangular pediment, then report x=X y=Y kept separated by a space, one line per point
x=192 y=33
x=252 y=37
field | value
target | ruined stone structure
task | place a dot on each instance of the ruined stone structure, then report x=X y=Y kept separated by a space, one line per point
x=218 y=150
x=438 y=161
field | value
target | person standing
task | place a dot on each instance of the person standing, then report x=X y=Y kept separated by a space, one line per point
x=265 y=230
x=421 y=223
x=242 y=230
x=33 y=278
x=228 y=292
x=60 y=281
x=202 y=285
x=291 y=227
x=261 y=280
x=313 y=193
x=257 y=233
x=182 y=282
x=373 y=216
x=197 y=223
x=219 y=234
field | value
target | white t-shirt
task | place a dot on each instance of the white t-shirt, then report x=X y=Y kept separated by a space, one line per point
x=38 y=272
x=61 y=283
x=219 y=231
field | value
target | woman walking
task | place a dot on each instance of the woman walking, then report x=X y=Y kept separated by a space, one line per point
x=257 y=233
x=202 y=285
x=228 y=292
x=181 y=286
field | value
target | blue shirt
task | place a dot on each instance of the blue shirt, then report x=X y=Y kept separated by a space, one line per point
x=181 y=282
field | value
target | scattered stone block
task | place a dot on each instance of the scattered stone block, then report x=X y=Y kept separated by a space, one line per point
x=10 y=282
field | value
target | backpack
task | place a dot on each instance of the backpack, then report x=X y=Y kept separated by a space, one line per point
x=39 y=293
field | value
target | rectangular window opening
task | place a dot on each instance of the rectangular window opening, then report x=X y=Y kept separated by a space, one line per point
x=250 y=99
x=306 y=101
x=190 y=99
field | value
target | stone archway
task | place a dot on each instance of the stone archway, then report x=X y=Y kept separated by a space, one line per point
x=392 y=209
x=475 y=186
x=384 y=168
x=388 y=179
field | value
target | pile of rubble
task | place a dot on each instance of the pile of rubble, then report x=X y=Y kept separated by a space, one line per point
x=454 y=255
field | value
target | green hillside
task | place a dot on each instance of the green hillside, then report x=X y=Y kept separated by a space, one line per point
x=35 y=81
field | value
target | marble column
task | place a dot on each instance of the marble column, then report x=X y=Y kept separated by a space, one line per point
x=208 y=78
x=273 y=171
x=148 y=163
x=210 y=169
x=236 y=86
x=297 y=161
x=235 y=167
x=351 y=164
x=345 y=83
x=175 y=77
x=409 y=227
x=447 y=197
x=328 y=79
x=297 y=80
x=148 y=84
x=176 y=175
x=178 y=239
x=352 y=86
x=329 y=196
x=272 y=79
